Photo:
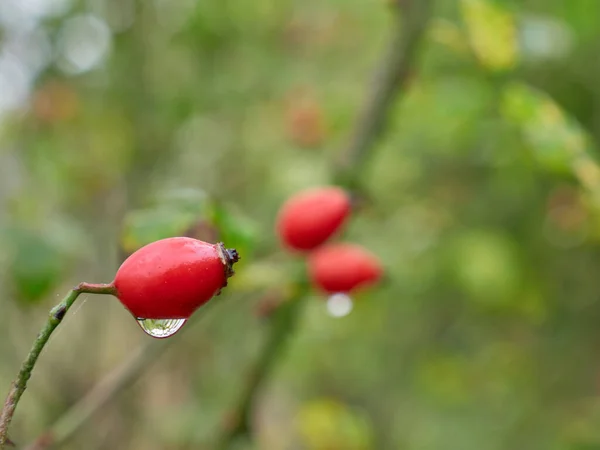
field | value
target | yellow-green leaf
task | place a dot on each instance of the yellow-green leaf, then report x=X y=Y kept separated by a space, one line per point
x=492 y=33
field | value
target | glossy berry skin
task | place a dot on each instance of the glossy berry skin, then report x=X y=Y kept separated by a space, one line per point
x=343 y=268
x=171 y=278
x=311 y=217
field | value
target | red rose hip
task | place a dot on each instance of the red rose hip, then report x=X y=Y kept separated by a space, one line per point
x=309 y=218
x=343 y=268
x=171 y=278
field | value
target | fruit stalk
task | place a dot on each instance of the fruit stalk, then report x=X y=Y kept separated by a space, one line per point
x=54 y=319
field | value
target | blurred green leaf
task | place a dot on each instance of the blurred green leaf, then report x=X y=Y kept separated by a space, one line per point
x=174 y=212
x=189 y=200
x=557 y=141
x=236 y=230
x=492 y=33
x=142 y=227
x=486 y=265
x=444 y=378
x=327 y=424
x=35 y=267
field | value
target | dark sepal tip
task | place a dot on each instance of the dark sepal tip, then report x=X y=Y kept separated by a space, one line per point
x=233 y=255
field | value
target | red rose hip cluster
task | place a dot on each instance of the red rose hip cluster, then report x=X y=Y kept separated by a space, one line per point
x=305 y=224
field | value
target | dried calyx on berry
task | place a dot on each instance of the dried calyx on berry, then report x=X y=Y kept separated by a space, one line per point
x=229 y=256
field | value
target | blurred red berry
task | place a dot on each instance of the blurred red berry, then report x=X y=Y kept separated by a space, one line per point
x=305 y=121
x=307 y=219
x=171 y=278
x=343 y=268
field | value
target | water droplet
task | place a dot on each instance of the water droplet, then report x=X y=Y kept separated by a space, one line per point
x=339 y=305
x=161 y=328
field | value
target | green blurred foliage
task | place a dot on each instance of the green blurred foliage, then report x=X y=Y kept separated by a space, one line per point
x=492 y=33
x=173 y=213
x=189 y=212
x=329 y=425
x=122 y=122
x=487 y=267
x=35 y=267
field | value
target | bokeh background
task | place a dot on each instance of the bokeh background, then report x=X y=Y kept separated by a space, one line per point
x=123 y=121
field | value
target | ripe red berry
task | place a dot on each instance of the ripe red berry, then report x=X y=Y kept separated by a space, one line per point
x=171 y=278
x=310 y=217
x=343 y=268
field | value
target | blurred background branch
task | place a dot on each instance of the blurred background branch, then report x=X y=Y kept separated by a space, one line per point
x=410 y=19
x=407 y=29
x=109 y=387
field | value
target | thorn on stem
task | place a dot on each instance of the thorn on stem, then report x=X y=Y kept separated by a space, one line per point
x=60 y=312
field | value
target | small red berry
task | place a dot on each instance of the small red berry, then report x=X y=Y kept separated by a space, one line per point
x=307 y=219
x=343 y=268
x=171 y=278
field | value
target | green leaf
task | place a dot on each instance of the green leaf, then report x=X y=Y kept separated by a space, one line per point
x=492 y=33
x=327 y=424
x=486 y=265
x=36 y=265
x=144 y=226
x=443 y=378
x=557 y=141
x=191 y=200
x=236 y=230
x=174 y=212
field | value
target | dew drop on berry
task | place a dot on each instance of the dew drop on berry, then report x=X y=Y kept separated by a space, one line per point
x=339 y=305
x=161 y=328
